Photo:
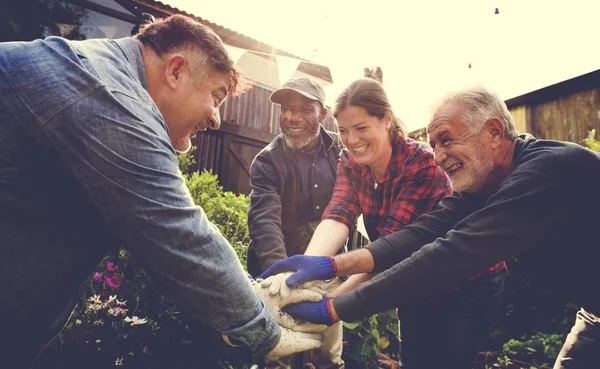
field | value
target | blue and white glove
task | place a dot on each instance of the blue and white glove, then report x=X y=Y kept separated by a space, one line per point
x=307 y=268
x=314 y=312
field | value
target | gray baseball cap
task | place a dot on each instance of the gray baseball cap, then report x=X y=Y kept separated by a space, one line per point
x=305 y=86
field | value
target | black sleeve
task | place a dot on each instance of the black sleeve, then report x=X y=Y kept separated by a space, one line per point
x=529 y=208
x=425 y=229
x=264 y=215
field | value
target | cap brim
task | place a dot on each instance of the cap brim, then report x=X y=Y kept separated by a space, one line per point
x=280 y=94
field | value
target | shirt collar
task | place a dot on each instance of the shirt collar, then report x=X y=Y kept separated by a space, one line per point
x=131 y=49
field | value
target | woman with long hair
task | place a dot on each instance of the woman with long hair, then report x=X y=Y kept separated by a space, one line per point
x=391 y=179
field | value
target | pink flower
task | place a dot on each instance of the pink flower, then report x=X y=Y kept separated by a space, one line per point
x=98 y=276
x=113 y=282
x=111 y=267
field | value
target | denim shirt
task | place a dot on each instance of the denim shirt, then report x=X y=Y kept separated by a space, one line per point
x=86 y=165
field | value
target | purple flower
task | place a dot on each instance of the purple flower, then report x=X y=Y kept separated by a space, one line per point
x=98 y=276
x=113 y=282
x=111 y=267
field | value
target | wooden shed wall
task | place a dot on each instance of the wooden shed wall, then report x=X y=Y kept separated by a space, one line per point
x=567 y=118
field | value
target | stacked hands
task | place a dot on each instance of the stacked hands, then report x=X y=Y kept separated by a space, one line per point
x=297 y=301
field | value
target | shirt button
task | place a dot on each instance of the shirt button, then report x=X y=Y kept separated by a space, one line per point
x=313 y=164
x=316 y=185
x=318 y=207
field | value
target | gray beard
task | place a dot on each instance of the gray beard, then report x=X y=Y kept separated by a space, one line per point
x=477 y=170
x=300 y=144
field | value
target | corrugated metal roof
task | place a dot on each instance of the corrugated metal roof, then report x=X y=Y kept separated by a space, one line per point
x=228 y=36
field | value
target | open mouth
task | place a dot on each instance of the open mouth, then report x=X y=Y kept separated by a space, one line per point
x=452 y=168
x=295 y=130
x=360 y=149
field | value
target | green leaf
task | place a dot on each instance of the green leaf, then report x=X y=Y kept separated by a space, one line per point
x=351 y=325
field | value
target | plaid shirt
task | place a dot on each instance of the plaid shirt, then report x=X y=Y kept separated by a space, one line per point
x=413 y=186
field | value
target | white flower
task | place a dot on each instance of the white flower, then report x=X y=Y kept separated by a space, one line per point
x=119 y=361
x=116 y=311
x=95 y=299
x=135 y=320
x=99 y=322
x=78 y=322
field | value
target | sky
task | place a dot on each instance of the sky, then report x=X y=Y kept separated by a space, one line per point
x=424 y=46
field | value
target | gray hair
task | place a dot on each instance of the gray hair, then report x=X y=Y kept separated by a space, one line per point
x=480 y=106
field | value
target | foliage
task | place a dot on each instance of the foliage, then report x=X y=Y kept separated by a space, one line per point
x=228 y=211
x=187 y=161
x=591 y=141
x=540 y=349
x=529 y=306
x=122 y=318
x=365 y=339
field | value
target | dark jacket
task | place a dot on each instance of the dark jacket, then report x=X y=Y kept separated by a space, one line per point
x=273 y=218
x=544 y=213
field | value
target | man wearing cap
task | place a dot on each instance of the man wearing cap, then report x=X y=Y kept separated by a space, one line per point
x=292 y=181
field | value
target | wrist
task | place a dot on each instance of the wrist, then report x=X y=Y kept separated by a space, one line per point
x=333 y=266
x=331 y=311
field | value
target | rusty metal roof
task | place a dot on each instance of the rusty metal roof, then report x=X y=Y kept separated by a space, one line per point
x=228 y=36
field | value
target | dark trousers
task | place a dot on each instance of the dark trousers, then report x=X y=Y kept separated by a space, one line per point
x=447 y=330
x=582 y=346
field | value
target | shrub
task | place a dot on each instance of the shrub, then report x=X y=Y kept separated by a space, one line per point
x=364 y=340
x=591 y=141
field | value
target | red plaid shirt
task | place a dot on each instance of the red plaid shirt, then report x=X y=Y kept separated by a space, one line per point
x=413 y=186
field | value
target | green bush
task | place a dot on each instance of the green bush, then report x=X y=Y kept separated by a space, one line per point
x=591 y=141
x=228 y=211
x=540 y=349
x=363 y=340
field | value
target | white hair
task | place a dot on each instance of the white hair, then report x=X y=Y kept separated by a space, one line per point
x=480 y=105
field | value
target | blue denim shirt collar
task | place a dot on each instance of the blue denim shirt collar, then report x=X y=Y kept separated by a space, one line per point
x=131 y=49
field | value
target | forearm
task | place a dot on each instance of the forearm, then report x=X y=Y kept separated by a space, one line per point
x=355 y=262
x=328 y=239
x=351 y=284
x=392 y=249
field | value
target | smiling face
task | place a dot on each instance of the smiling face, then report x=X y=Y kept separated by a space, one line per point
x=196 y=108
x=465 y=156
x=299 y=120
x=365 y=136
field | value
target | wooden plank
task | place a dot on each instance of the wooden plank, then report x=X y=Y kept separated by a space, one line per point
x=237 y=130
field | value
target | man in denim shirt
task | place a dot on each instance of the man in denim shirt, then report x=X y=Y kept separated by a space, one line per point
x=89 y=132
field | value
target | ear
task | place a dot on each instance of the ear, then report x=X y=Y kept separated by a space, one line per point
x=323 y=115
x=175 y=68
x=495 y=131
x=389 y=115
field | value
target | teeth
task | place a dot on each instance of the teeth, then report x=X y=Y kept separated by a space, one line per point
x=360 y=149
x=453 y=167
x=294 y=129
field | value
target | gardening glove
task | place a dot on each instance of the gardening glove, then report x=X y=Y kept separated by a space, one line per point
x=307 y=268
x=319 y=287
x=292 y=342
x=277 y=285
x=314 y=312
x=272 y=303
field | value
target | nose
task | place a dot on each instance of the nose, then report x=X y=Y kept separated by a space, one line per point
x=215 y=121
x=352 y=138
x=439 y=155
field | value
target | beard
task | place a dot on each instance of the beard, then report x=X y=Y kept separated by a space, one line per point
x=473 y=175
x=295 y=143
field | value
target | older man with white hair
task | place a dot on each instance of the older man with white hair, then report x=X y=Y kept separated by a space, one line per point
x=514 y=196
